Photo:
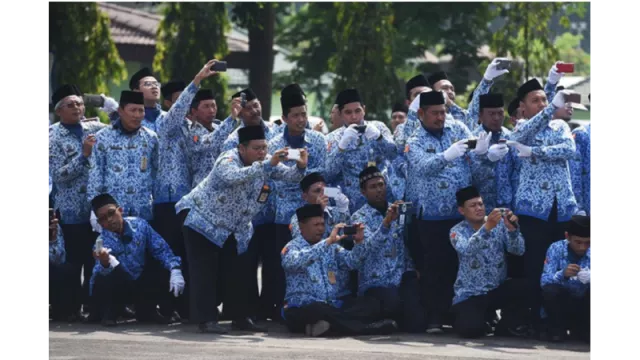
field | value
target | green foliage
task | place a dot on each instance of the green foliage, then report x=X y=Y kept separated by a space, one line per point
x=568 y=46
x=85 y=54
x=364 y=39
x=189 y=35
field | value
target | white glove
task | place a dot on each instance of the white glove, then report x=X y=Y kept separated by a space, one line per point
x=584 y=276
x=497 y=152
x=523 y=150
x=110 y=104
x=176 y=282
x=94 y=223
x=554 y=75
x=113 y=262
x=482 y=145
x=371 y=132
x=558 y=99
x=456 y=150
x=349 y=136
x=492 y=71
x=342 y=202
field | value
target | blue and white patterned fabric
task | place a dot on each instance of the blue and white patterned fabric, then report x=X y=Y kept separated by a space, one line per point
x=151 y=117
x=125 y=166
x=469 y=117
x=314 y=272
x=131 y=247
x=267 y=214
x=558 y=258
x=494 y=179
x=397 y=176
x=174 y=176
x=202 y=156
x=581 y=168
x=545 y=174
x=211 y=143
x=69 y=170
x=288 y=196
x=432 y=181
x=226 y=201
x=344 y=167
x=388 y=257
x=57 y=253
x=482 y=257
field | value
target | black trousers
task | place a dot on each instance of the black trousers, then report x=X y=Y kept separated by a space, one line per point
x=401 y=304
x=566 y=311
x=205 y=260
x=350 y=319
x=274 y=283
x=261 y=234
x=112 y=292
x=61 y=289
x=538 y=236
x=473 y=314
x=438 y=267
x=168 y=225
x=78 y=243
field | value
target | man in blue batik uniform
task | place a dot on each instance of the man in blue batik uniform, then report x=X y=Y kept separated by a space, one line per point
x=295 y=135
x=71 y=143
x=566 y=282
x=482 y=286
x=313 y=267
x=61 y=277
x=581 y=169
x=387 y=273
x=120 y=275
x=218 y=226
x=439 y=166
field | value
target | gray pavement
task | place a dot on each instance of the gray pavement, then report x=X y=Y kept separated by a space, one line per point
x=134 y=341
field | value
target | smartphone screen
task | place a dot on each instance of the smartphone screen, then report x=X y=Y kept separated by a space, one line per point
x=219 y=66
x=472 y=144
x=565 y=68
x=294 y=154
x=331 y=192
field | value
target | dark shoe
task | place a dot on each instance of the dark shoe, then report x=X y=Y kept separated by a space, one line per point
x=382 y=327
x=211 y=327
x=109 y=322
x=434 y=329
x=127 y=313
x=154 y=317
x=247 y=324
x=556 y=335
x=317 y=329
x=514 y=331
x=75 y=317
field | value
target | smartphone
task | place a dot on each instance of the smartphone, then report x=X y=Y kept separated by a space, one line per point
x=565 y=67
x=503 y=64
x=99 y=245
x=350 y=230
x=331 y=192
x=572 y=98
x=472 y=143
x=294 y=154
x=219 y=66
x=502 y=141
x=361 y=128
x=93 y=100
x=243 y=101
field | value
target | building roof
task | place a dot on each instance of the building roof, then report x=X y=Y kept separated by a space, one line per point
x=136 y=27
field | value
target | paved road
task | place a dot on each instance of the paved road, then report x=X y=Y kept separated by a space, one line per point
x=133 y=341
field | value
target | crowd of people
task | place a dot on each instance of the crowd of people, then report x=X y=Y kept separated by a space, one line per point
x=440 y=220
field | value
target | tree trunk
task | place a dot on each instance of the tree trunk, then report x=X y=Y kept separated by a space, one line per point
x=261 y=56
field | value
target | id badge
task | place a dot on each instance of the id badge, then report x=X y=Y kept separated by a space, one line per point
x=143 y=164
x=264 y=194
x=332 y=277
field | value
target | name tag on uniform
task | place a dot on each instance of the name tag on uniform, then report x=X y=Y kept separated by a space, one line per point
x=143 y=164
x=332 y=277
x=264 y=194
x=431 y=150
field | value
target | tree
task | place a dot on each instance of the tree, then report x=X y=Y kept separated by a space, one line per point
x=568 y=46
x=85 y=54
x=259 y=19
x=364 y=38
x=189 y=35
x=526 y=37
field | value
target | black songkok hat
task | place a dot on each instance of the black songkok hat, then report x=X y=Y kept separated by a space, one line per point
x=249 y=133
x=414 y=82
x=64 y=91
x=131 y=97
x=348 y=96
x=309 y=211
x=580 y=225
x=202 y=94
x=431 y=98
x=291 y=96
x=171 y=87
x=400 y=107
x=513 y=107
x=250 y=95
x=465 y=194
x=141 y=74
x=368 y=174
x=435 y=77
x=102 y=200
x=311 y=179
x=529 y=86
x=491 y=101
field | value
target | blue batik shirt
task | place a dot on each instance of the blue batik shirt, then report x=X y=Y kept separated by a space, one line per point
x=57 y=253
x=559 y=256
x=200 y=148
x=580 y=167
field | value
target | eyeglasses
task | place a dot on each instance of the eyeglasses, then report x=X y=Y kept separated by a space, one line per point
x=149 y=84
